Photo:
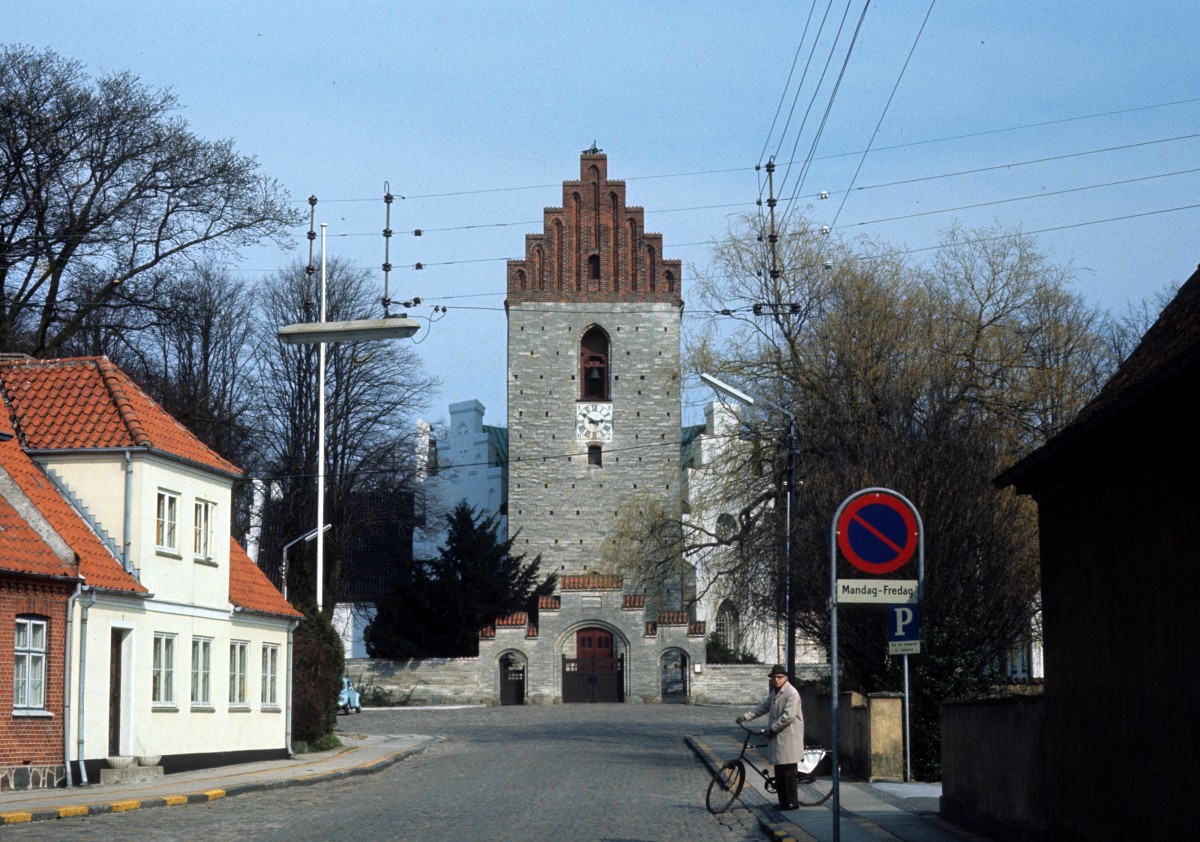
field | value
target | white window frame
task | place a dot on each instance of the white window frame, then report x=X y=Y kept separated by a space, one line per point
x=201 y=672
x=30 y=647
x=238 y=650
x=166 y=521
x=162 y=671
x=202 y=529
x=270 y=675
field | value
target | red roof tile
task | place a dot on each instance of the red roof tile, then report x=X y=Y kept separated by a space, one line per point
x=96 y=564
x=250 y=589
x=22 y=550
x=88 y=403
x=590 y=582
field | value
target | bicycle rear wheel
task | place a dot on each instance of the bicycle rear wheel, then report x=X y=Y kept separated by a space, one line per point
x=725 y=786
x=811 y=790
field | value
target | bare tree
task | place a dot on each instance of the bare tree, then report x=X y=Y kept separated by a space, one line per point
x=926 y=380
x=193 y=356
x=101 y=187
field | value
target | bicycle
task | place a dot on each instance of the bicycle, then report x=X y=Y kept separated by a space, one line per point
x=727 y=782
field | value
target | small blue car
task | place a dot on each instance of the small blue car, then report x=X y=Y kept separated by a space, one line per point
x=349 y=700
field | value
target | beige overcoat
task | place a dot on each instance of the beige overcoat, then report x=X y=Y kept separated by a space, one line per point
x=785 y=725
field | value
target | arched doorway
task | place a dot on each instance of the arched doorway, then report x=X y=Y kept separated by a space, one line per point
x=512 y=678
x=674 y=676
x=597 y=672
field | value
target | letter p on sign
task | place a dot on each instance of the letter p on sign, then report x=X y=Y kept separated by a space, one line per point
x=904 y=623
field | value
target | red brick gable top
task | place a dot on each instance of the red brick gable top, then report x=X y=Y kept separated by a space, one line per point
x=594 y=248
x=84 y=403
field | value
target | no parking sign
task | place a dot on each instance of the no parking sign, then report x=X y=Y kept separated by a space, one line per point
x=878 y=532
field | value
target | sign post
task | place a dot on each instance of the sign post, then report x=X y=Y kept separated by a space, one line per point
x=904 y=638
x=878 y=531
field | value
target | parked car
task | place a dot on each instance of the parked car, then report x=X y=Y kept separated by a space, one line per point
x=348 y=700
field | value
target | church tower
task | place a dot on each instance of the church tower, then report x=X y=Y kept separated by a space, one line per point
x=594 y=317
x=594 y=314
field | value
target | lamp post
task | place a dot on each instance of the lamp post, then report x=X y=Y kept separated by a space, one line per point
x=751 y=399
x=306 y=537
x=319 y=333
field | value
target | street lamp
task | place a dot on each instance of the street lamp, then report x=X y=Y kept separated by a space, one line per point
x=306 y=537
x=750 y=399
x=319 y=333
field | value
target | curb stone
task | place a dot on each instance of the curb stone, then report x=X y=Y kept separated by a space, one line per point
x=204 y=796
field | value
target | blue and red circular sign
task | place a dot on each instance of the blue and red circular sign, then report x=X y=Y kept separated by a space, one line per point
x=878 y=533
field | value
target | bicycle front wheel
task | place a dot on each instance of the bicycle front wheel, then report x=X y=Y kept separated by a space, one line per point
x=811 y=790
x=725 y=786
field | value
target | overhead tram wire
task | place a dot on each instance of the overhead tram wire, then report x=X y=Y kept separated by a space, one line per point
x=886 y=106
x=828 y=110
x=1063 y=157
x=812 y=100
x=1067 y=227
x=830 y=157
x=799 y=84
x=1031 y=196
x=881 y=185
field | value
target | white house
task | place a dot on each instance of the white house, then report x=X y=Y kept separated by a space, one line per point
x=179 y=647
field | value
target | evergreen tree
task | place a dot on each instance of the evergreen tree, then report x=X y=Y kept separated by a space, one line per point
x=439 y=608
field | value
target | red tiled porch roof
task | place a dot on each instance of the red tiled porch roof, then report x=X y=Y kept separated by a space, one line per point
x=250 y=589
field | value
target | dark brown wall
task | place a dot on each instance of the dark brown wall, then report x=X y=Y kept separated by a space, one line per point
x=1120 y=538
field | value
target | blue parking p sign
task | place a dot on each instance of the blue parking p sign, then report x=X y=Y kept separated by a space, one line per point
x=904 y=629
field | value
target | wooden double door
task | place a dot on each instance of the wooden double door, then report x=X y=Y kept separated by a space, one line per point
x=596 y=673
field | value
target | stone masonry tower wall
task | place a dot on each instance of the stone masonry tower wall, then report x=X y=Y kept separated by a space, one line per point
x=593 y=374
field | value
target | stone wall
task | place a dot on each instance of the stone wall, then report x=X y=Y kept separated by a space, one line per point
x=993 y=765
x=429 y=681
x=744 y=684
x=870 y=730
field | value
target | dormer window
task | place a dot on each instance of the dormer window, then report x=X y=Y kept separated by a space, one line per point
x=593 y=366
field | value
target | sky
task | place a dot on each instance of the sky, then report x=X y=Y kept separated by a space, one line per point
x=1078 y=122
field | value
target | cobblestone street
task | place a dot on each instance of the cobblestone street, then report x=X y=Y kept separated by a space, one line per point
x=588 y=772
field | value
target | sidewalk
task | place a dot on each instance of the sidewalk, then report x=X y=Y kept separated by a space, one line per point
x=358 y=756
x=870 y=812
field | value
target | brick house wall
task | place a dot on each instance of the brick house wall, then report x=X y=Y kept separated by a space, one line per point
x=31 y=747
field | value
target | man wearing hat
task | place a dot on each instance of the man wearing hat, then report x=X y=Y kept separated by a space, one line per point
x=785 y=732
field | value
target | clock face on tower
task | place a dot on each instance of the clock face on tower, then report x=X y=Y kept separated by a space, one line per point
x=593 y=421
